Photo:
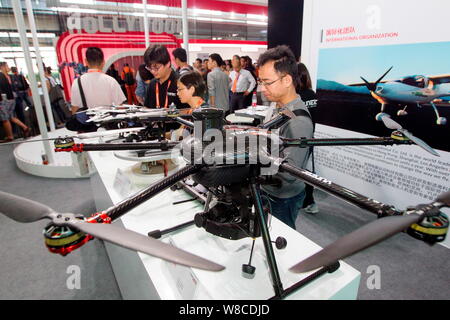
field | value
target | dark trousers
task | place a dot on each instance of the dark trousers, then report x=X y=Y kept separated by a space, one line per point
x=58 y=111
x=22 y=96
x=286 y=209
x=237 y=101
x=309 y=197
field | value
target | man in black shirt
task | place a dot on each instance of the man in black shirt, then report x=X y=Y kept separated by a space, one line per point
x=162 y=90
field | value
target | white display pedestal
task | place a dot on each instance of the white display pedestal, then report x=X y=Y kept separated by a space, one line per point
x=140 y=276
x=66 y=165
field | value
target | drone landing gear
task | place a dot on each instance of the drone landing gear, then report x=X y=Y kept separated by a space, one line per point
x=329 y=269
x=280 y=293
x=159 y=233
x=248 y=271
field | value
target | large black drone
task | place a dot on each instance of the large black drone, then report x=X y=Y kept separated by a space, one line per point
x=234 y=207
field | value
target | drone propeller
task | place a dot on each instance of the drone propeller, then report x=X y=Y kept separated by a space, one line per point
x=86 y=135
x=391 y=124
x=367 y=236
x=373 y=86
x=25 y=210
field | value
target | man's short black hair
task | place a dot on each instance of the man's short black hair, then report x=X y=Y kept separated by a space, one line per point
x=13 y=69
x=217 y=58
x=285 y=62
x=94 y=56
x=156 y=53
x=180 y=54
x=199 y=60
x=194 y=79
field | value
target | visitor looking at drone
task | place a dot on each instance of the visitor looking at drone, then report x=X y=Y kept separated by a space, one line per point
x=278 y=76
x=162 y=90
x=98 y=88
x=191 y=90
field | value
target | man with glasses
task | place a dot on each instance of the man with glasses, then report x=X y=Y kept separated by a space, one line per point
x=162 y=90
x=278 y=76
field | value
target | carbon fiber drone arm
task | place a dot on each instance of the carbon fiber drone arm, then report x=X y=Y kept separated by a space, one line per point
x=304 y=143
x=185 y=122
x=341 y=192
x=142 y=196
x=82 y=147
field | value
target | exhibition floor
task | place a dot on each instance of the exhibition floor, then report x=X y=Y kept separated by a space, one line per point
x=409 y=269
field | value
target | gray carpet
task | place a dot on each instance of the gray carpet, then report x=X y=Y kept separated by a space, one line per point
x=27 y=269
x=409 y=268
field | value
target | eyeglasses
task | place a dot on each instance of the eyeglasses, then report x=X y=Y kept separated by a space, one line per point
x=266 y=84
x=179 y=89
x=154 y=67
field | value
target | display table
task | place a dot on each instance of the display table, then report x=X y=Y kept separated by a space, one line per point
x=140 y=276
x=262 y=113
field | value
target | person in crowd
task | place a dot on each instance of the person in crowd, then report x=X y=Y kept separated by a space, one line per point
x=250 y=68
x=143 y=79
x=218 y=84
x=309 y=97
x=205 y=69
x=56 y=97
x=198 y=65
x=128 y=78
x=228 y=67
x=242 y=84
x=278 y=75
x=191 y=90
x=112 y=72
x=21 y=88
x=162 y=90
x=243 y=62
x=180 y=57
x=8 y=104
x=98 y=88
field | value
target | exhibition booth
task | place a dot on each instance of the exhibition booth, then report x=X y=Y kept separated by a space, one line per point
x=380 y=143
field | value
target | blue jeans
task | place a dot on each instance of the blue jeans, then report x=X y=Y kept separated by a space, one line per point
x=286 y=209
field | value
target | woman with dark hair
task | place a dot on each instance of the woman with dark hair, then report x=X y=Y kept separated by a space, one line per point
x=191 y=90
x=309 y=97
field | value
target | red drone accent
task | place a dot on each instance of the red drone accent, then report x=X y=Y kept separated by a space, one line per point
x=77 y=147
x=66 y=250
x=99 y=217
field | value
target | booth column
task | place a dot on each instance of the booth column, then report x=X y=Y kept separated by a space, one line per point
x=285 y=22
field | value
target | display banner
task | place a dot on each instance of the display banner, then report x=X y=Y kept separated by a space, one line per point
x=369 y=58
